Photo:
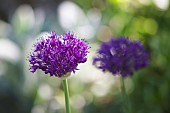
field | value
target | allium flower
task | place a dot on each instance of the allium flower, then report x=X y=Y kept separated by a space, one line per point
x=58 y=55
x=121 y=56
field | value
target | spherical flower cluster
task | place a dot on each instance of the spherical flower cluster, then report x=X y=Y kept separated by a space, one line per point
x=121 y=56
x=58 y=55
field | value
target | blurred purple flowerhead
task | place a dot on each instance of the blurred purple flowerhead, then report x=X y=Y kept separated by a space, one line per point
x=58 y=55
x=121 y=56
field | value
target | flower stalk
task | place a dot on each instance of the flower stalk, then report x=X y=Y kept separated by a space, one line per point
x=66 y=92
x=125 y=97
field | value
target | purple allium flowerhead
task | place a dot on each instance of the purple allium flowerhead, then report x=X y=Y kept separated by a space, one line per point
x=121 y=56
x=58 y=55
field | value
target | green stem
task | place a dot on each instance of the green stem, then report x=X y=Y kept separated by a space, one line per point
x=67 y=103
x=125 y=96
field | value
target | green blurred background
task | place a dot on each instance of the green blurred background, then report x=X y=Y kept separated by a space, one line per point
x=91 y=91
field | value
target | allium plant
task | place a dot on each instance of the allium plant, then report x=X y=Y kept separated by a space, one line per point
x=123 y=57
x=58 y=56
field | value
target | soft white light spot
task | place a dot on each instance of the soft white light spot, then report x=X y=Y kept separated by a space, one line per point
x=145 y=2
x=94 y=16
x=4 y=28
x=45 y=91
x=72 y=18
x=9 y=50
x=78 y=102
x=88 y=73
x=61 y=100
x=70 y=15
x=54 y=105
x=86 y=31
x=162 y=4
x=100 y=88
x=38 y=109
x=26 y=17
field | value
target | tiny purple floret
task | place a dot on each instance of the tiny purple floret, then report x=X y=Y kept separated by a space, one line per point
x=121 y=56
x=58 y=55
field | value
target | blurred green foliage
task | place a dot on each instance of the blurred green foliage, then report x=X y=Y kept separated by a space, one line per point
x=149 y=88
